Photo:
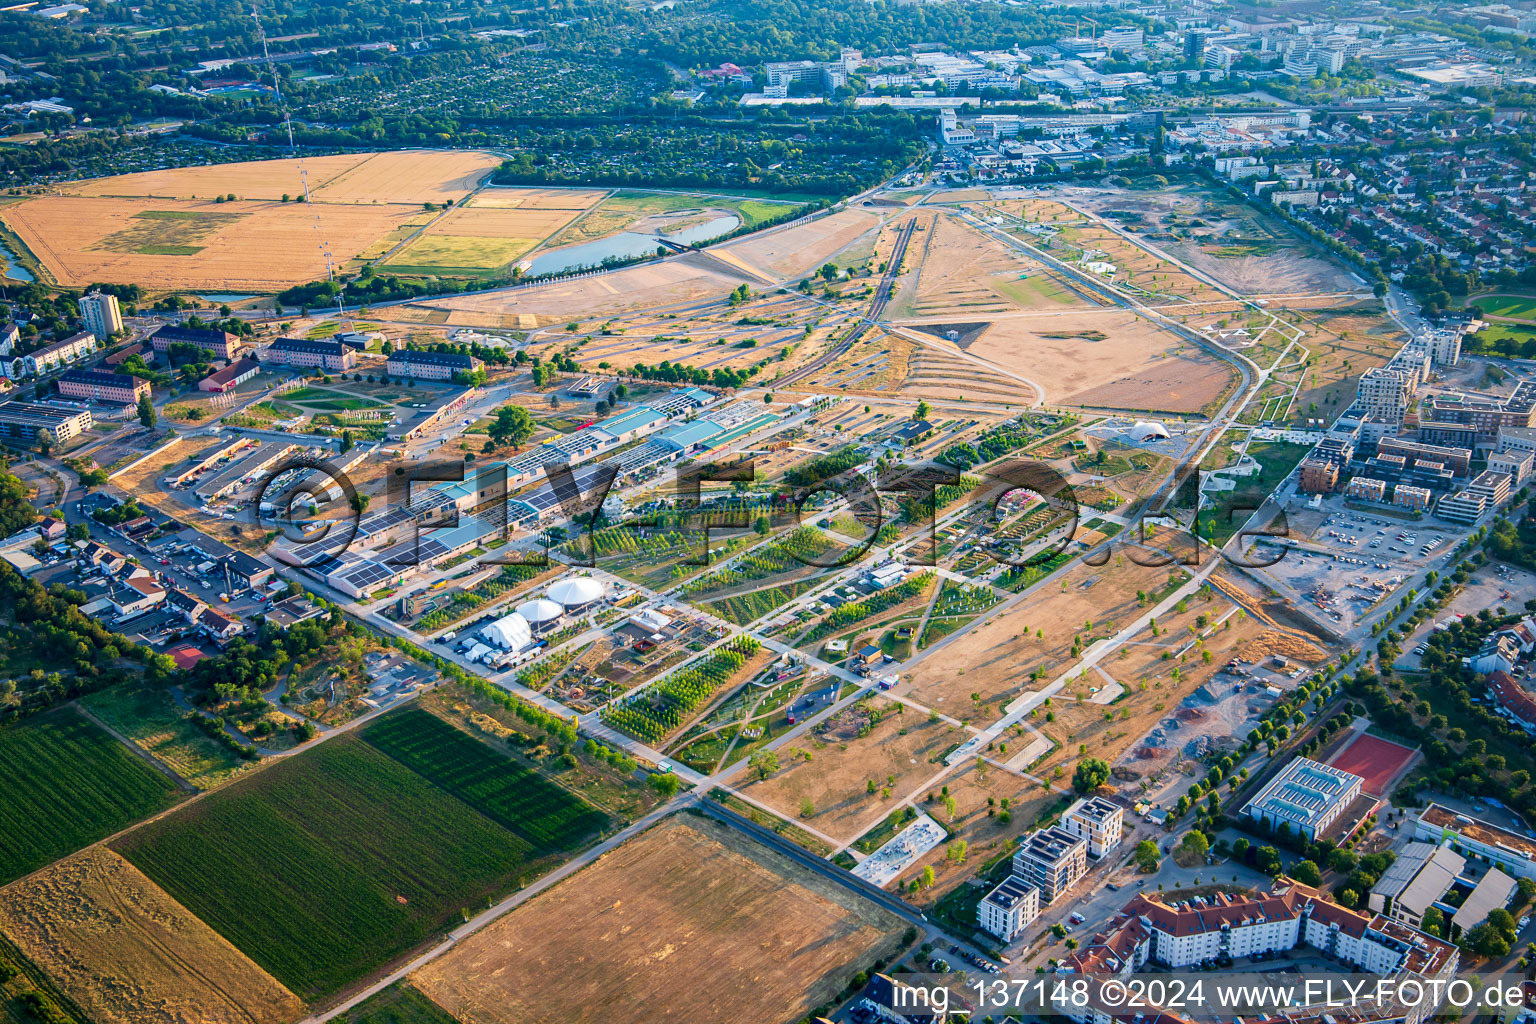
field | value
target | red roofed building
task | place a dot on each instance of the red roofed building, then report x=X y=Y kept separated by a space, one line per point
x=1519 y=704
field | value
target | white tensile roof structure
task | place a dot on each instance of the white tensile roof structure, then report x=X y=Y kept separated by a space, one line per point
x=574 y=593
x=540 y=610
x=510 y=633
x=1148 y=430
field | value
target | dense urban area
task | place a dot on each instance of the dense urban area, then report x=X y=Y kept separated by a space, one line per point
x=766 y=511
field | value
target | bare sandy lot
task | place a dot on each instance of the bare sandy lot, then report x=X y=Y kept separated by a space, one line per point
x=127 y=952
x=409 y=176
x=690 y=922
x=1104 y=357
x=250 y=179
x=836 y=780
x=994 y=660
x=174 y=244
x=801 y=249
x=681 y=280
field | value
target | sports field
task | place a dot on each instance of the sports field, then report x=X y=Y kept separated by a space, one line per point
x=324 y=867
x=1379 y=762
x=127 y=953
x=690 y=922
x=1514 y=307
x=68 y=783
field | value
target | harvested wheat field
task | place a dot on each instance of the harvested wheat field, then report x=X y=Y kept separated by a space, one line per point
x=1105 y=358
x=690 y=922
x=126 y=952
x=801 y=249
x=497 y=197
x=686 y=279
x=250 y=179
x=409 y=176
x=174 y=244
x=896 y=743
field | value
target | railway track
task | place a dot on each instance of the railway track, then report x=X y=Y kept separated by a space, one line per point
x=882 y=297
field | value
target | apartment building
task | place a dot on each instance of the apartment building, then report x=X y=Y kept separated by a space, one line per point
x=1308 y=796
x=26 y=420
x=1414 y=499
x=1097 y=820
x=1488 y=415
x=1185 y=933
x=1007 y=910
x=1052 y=860
x=222 y=344
x=101 y=386
x=1386 y=395
x=1457 y=460
x=100 y=313
x=315 y=353
x=431 y=365
x=1367 y=488
x=50 y=357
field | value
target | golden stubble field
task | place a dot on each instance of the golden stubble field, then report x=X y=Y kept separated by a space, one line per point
x=689 y=922
x=240 y=246
x=163 y=231
x=129 y=954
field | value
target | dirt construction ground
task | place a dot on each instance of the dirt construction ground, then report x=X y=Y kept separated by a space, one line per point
x=690 y=922
x=126 y=952
x=836 y=780
x=803 y=248
x=1104 y=358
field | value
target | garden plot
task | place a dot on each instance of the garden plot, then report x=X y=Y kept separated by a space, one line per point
x=874 y=740
x=691 y=900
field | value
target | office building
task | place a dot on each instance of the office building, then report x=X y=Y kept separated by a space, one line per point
x=1516 y=463
x=1422 y=874
x=1007 y=910
x=1488 y=415
x=1512 y=852
x=231 y=377
x=314 y=353
x=99 y=386
x=1308 y=796
x=431 y=365
x=1052 y=860
x=1492 y=485
x=1097 y=820
x=100 y=313
x=1465 y=507
x=221 y=344
x=24 y=421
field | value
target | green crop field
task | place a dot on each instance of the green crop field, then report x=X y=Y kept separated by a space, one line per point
x=68 y=784
x=398 y=1004
x=149 y=717
x=329 y=864
x=546 y=815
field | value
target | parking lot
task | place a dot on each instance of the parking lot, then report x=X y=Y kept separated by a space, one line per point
x=1351 y=561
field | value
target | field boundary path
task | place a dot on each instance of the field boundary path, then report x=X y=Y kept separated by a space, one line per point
x=143 y=755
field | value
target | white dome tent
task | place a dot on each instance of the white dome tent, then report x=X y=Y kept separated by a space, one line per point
x=577 y=593
x=510 y=633
x=541 y=613
x=1149 y=430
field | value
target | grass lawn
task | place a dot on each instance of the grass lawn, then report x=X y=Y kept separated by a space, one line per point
x=1517 y=307
x=150 y=718
x=398 y=1004
x=67 y=785
x=1035 y=289
x=1219 y=521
